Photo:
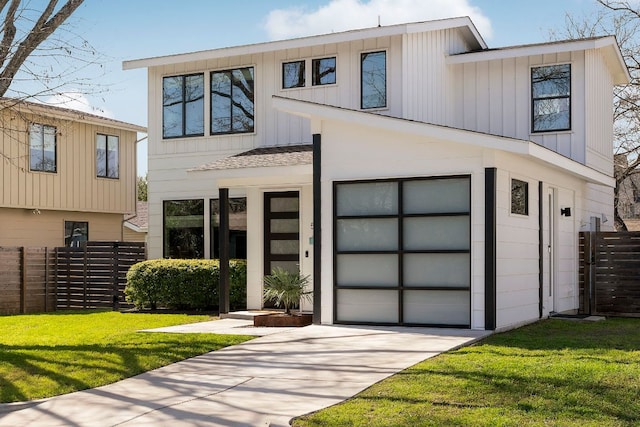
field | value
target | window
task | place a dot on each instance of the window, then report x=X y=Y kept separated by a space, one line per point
x=519 y=197
x=403 y=251
x=373 y=80
x=232 y=101
x=237 y=228
x=42 y=148
x=76 y=233
x=184 y=228
x=292 y=74
x=551 y=98
x=324 y=71
x=107 y=147
x=183 y=106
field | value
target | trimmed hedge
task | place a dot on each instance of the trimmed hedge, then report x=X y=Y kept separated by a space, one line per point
x=184 y=284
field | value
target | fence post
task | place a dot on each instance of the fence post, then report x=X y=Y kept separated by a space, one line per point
x=593 y=235
x=23 y=279
x=115 y=270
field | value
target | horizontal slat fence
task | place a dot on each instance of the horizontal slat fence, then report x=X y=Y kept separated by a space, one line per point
x=610 y=273
x=94 y=276
x=27 y=280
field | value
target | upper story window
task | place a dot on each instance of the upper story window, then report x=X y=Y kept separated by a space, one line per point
x=42 y=148
x=323 y=71
x=107 y=147
x=183 y=106
x=232 y=101
x=373 y=83
x=293 y=74
x=551 y=98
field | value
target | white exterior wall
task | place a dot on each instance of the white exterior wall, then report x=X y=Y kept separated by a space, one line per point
x=495 y=97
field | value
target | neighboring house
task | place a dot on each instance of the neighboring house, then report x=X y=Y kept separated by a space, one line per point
x=134 y=227
x=629 y=196
x=67 y=176
x=417 y=176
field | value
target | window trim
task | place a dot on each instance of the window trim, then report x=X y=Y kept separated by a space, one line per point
x=232 y=132
x=313 y=70
x=533 y=100
x=304 y=74
x=184 y=106
x=106 y=176
x=527 y=195
x=55 y=146
x=386 y=80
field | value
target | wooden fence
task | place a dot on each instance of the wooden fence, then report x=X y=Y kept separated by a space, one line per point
x=34 y=280
x=610 y=273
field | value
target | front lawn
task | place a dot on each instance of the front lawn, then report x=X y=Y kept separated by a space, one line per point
x=552 y=373
x=49 y=354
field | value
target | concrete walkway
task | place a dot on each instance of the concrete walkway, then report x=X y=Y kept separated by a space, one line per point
x=263 y=382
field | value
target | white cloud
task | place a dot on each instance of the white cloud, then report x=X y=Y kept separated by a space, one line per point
x=342 y=15
x=77 y=101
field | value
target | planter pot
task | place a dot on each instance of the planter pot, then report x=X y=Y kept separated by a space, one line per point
x=283 y=320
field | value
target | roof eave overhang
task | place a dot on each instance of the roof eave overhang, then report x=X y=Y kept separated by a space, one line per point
x=437 y=133
x=470 y=33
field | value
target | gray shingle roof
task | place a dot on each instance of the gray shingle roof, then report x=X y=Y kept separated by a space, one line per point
x=287 y=155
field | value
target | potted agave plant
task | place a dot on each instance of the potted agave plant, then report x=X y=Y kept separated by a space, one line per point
x=286 y=289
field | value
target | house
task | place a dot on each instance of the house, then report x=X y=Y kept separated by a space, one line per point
x=419 y=177
x=134 y=227
x=628 y=195
x=67 y=176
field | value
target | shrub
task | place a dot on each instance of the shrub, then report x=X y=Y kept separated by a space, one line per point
x=184 y=284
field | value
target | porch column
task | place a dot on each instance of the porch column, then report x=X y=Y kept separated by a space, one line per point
x=490 y=182
x=317 y=235
x=223 y=237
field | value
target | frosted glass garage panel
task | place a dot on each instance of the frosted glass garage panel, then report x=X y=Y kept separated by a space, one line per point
x=437 y=307
x=366 y=199
x=376 y=306
x=367 y=270
x=437 y=270
x=436 y=196
x=367 y=234
x=437 y=233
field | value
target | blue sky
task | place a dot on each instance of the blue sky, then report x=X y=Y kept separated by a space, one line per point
x=133 y=29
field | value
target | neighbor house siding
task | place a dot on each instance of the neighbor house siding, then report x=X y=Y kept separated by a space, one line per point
x=21 y=227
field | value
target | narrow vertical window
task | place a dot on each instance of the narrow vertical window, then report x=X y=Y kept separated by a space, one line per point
x=519 y=197
x=551 y=98
x=293 y=74
x=183 y=106
x=324 y=71
x=373 y=80
x=107 y=158
x=42 y=148
x=232 y=102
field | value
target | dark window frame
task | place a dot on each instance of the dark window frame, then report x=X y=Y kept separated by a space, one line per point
x=237 y=239
x=400 y=251
x=68 y=241
x=363 y=56
x=516 y=209
x=303 y=72
x=165 y=243
x=230 y=72
x=566 y=96
x=106 y=157
x=55 y=148
x=184 y=103
x=316 y=77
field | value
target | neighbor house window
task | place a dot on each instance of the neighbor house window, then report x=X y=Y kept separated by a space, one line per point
x=292 y=74
x=237 y=228
x=324 y=71
x=519 y=197
x=183 y=228
x=107 y=147
x=373 y=80
x=76 y=233
x=42 y=148
x=551 y=98
x=183 y=106
x=232 y=101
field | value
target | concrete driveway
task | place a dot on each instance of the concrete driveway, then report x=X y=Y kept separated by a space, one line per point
x=263 y=382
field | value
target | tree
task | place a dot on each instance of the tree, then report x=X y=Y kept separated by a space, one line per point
x=622 y=19
x=142 y=188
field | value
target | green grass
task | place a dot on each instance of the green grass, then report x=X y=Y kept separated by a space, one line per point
x=552 y=373
x=50 y=354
